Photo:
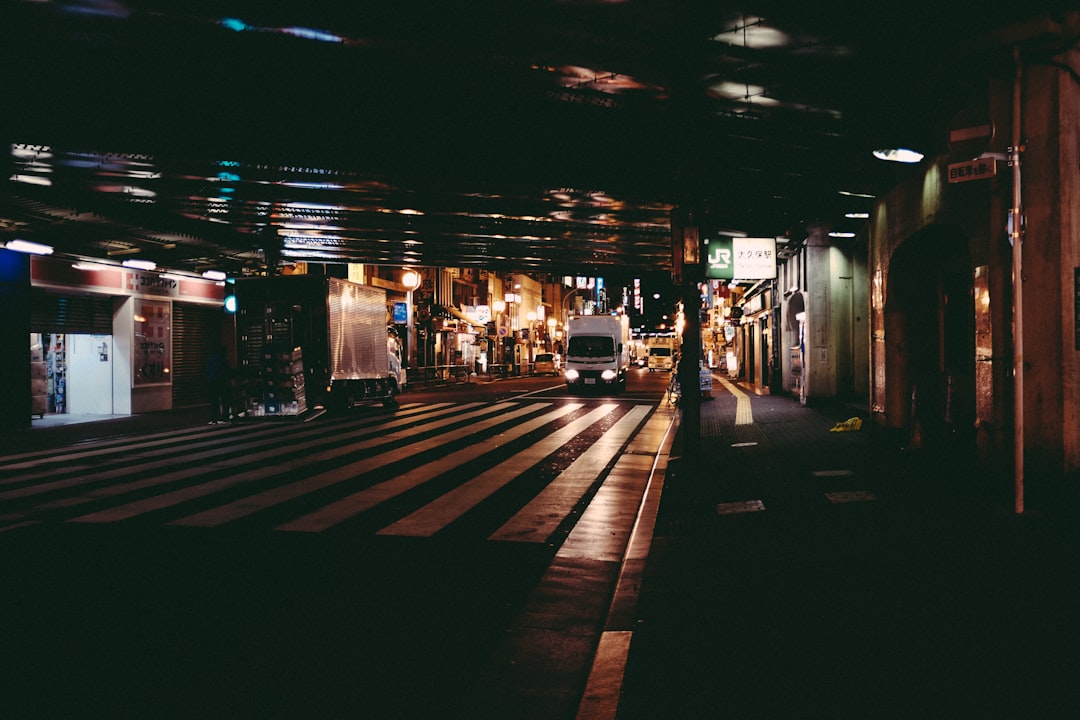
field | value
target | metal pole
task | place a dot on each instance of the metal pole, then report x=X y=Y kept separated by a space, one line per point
x=410 y=331
x=1016 y=237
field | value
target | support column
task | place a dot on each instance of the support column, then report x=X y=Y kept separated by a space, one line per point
x=689 y=379
x=15 y=361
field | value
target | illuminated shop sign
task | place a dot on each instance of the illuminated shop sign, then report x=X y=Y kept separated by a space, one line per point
x=729 y=258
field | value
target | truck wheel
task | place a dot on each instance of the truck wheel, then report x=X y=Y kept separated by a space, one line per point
x=391 y=395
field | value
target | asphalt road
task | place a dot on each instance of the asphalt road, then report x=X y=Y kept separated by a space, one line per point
x=144 y=576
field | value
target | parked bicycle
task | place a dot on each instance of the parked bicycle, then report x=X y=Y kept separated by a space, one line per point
x=674 y=391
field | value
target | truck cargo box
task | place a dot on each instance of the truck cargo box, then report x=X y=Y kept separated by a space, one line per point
x=308 y=339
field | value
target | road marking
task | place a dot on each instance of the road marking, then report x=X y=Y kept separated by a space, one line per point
x=539 y=519
x=269 y=498
x=737 y=508
x=851 y=496
x=129 y=467
x=337 y=512
x=440 y=512
x=601 y=698
x=123 y=512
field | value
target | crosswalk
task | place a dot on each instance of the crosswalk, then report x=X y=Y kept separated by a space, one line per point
x=413 y=472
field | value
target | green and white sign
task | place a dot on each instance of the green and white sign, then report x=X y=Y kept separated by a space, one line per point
x=729 y=258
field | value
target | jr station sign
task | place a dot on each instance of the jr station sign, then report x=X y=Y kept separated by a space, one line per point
x=730 y=258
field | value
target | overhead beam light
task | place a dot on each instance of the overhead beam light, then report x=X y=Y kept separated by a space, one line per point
x=900 y=155
x=25 y=246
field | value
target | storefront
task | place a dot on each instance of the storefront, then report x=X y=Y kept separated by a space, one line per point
x=110 y=340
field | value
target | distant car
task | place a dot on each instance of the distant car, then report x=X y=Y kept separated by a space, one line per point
x=546 y=364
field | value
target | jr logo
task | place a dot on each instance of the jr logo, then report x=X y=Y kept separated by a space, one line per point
x=720 y=257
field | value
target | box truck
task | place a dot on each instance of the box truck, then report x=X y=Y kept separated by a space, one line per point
x=661 y=352
x=311 y=341
x=597 y=352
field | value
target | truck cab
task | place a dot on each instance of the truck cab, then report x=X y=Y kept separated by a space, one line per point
x=395 y=363
x=597 y=352
x=661 y=353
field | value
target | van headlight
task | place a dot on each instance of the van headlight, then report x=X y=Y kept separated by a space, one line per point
x=608 y=375
x=571 y=374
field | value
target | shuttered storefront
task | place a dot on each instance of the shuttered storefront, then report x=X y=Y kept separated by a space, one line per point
x=72 y=314
x=196 y=330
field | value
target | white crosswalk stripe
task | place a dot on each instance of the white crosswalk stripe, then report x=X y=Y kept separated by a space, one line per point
x=536 y=521
x=249 y=505
x=436 y=515
x=327 y=474
x=337 y=512
x=269 y=498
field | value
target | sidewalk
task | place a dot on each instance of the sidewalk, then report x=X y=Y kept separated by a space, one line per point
x=60 y=430
x=801 y=573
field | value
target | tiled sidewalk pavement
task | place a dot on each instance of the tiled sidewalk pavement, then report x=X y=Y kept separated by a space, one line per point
x=906 y=597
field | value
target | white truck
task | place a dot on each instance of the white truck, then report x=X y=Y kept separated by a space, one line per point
x=597 y=352
x=312 y=341
x=661 y=352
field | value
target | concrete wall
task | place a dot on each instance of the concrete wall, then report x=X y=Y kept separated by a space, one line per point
x=978 y=210
x=15 y=360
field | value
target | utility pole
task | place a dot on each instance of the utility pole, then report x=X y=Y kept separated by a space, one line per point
x=1016 y=237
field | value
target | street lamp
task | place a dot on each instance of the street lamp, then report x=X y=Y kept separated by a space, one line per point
x=510 y=299
x=532 y=334
x=498 y=306
x=566 y=301
x=410 y=279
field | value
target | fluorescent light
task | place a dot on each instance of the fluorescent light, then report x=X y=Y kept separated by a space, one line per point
x=25 y=246
x=140 y=264
x=857 y=215
x=836 y=234
x=900 y=155
x=214 y=275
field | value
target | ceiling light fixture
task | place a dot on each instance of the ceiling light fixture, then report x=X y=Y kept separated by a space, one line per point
x=140 y=264
x=214 y=275
x=25 y=246
x=900 y=155
x=91 y=265
x=122 y=251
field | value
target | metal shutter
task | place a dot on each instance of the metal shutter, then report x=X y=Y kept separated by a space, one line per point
x=195 y=332
x=75 y=314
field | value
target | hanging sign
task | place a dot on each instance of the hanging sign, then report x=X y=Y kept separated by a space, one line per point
x=743 y=258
